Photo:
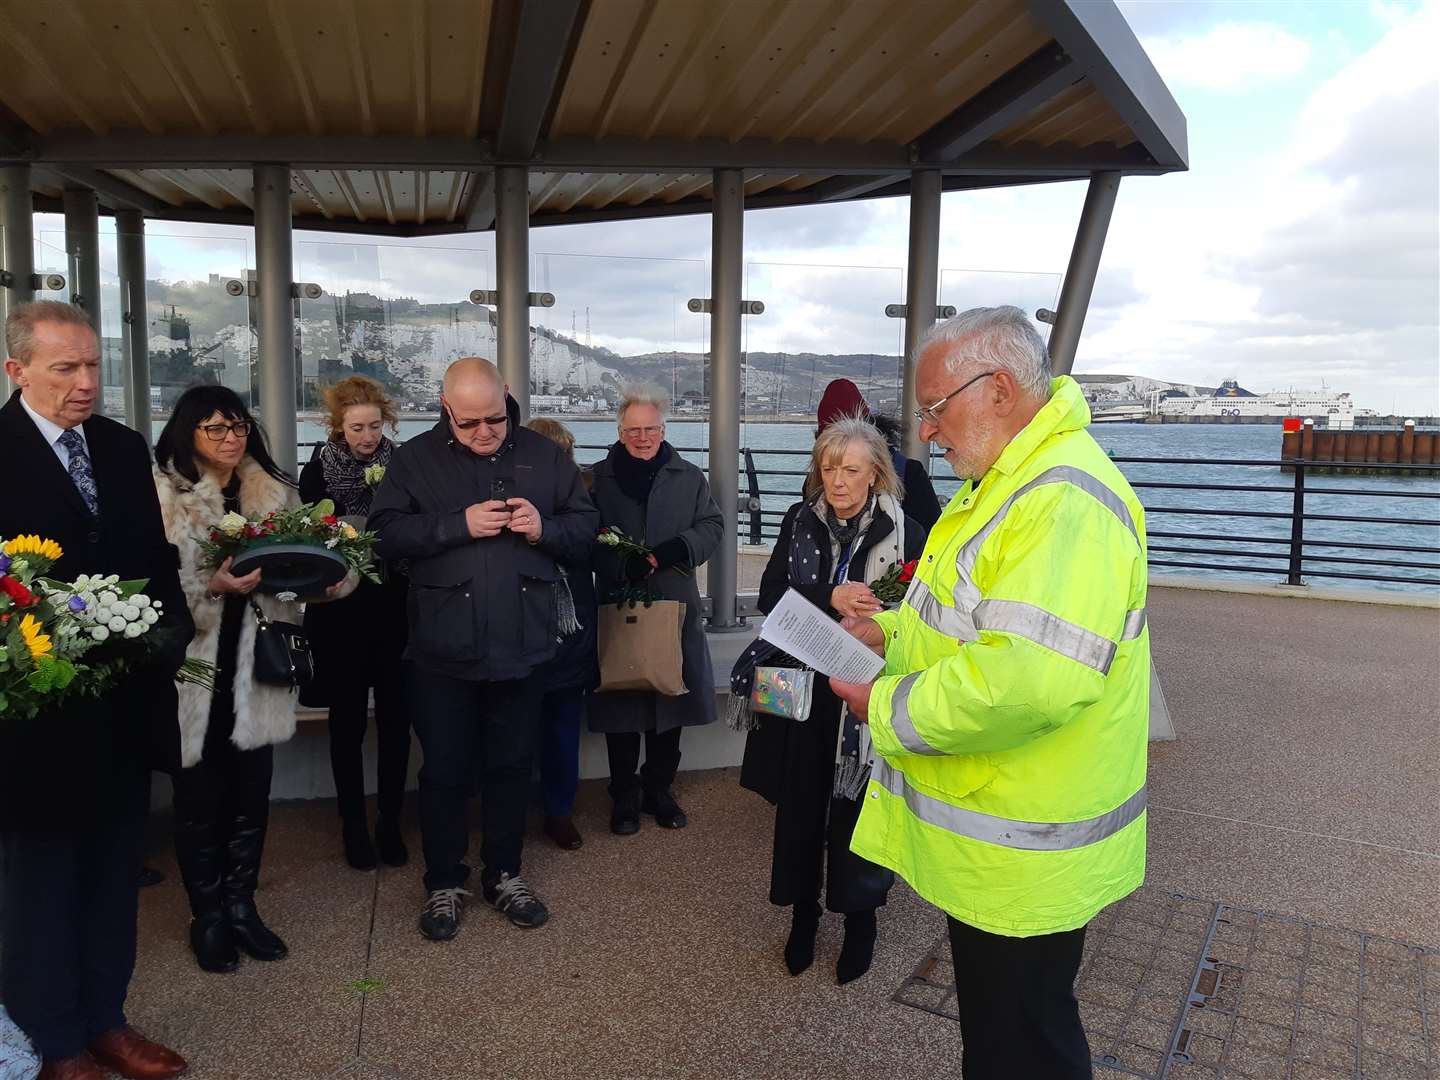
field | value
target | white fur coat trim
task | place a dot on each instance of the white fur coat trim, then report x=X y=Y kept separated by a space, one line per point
x=263 y=714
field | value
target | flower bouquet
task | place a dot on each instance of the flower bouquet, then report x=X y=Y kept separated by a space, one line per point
x=890 y=588
x=620 y=543
x=302 y=551
x=58 y=639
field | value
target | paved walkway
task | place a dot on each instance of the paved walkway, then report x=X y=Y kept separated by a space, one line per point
x=1294 y=880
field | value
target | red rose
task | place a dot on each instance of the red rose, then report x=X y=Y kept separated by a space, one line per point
x=215 y=535
x=908 y=571
x=330 y=519
x=251 y=532
x=17 y=592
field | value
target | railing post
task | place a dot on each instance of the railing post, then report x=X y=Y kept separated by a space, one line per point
x=1297 y=527
x=752 y=481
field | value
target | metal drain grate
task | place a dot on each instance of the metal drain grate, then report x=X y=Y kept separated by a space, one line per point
x=1172 y=986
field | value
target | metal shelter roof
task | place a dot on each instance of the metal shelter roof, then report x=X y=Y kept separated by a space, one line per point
x=391 y=113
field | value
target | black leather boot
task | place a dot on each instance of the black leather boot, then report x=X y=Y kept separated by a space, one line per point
x=625 y=811
x=242 y=873
x=202 y=859
x=800 y=946
x=858 y=951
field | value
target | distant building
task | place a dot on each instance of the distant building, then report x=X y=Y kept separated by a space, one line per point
x=549 y=402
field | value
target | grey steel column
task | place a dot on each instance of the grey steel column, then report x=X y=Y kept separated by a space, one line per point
x=135 y=318
x=922 y=293
x=275 y=311
x=82 y=249
x=19 y=236
x=512 y=280
x=727 y=243
x=1080 y=274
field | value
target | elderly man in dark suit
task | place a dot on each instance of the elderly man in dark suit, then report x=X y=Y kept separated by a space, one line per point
x=74 y=783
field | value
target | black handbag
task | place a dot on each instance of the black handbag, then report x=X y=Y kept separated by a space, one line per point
x=282 y=652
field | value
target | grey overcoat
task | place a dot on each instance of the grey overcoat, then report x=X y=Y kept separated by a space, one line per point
x=680 y=504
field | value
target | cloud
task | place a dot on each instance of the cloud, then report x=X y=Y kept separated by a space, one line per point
x=1228 y=57
x=1327 y=269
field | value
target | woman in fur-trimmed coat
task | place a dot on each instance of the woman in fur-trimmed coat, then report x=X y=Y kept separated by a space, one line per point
x=211 y=460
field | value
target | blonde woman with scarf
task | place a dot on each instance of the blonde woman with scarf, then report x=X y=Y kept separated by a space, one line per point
x=846 y=532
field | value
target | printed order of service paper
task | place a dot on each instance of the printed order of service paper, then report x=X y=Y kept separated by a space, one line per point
x=815 y=639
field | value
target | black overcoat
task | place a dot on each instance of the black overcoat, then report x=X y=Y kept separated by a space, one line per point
x=52 y=767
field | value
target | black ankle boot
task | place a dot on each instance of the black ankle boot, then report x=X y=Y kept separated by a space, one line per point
x=251 y=933
x=859 y=948
x=625 y=814
x=391 y=843
x=359 y=851
x=213 y=944
x=800 y=946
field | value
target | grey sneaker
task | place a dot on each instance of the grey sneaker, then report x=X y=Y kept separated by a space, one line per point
x=444 y=910
x=511 y=896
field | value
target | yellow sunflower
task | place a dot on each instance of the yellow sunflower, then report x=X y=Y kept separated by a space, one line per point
x=33 y=545
x=38 y=643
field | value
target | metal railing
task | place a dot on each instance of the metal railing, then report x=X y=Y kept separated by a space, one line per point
x=1293 y=555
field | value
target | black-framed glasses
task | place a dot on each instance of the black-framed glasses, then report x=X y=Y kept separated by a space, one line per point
x=218 y=432
x=930 y=414
x=471 y=425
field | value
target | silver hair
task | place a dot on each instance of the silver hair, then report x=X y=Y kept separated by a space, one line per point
x=24 y=319
x=830 y=447
x=643 y=394
x=997 y=337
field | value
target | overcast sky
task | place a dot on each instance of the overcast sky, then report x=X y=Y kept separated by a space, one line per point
x=1303 y=246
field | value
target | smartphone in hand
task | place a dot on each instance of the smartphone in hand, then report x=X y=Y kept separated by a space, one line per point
x=501 y=489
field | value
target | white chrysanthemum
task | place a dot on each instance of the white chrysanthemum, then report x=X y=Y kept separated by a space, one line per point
x=103 y=613
x=140 y=600
x=99 y=633
x=149 y=617
x=131 y=612
x=117 y=624
x=108 y=599
x=134 y=630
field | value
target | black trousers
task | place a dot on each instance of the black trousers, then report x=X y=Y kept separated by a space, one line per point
x=809 y=820
x=460 y=722
x=1018 y=1014
x=67 y=930
x=349 y=706
x=662 y=760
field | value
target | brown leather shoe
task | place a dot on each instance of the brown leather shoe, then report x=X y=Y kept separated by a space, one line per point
x=132 y=1055
x=79 y=1067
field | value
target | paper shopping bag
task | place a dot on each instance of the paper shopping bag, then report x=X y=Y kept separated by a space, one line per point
x=639 y=645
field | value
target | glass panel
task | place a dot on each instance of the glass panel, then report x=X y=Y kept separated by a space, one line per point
x=199 y=332
x=619 y=320
x=820 y=323
x=52 y=256
x=397 y=314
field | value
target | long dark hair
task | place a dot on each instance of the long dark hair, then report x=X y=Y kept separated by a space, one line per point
x=175 y=448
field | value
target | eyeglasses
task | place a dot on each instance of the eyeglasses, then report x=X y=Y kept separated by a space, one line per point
x=930 y=414
x=471 y=425
x=218 y=432
x=636 y=432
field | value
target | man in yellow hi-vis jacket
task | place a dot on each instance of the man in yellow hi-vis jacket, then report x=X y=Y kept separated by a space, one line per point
x=1010 y=723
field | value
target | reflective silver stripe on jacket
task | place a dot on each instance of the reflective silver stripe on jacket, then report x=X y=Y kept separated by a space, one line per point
x=1134 y=625
x=952 y=622
x=966 y=595
x=900 y=720
x=1009 y=832
x=1054 y=633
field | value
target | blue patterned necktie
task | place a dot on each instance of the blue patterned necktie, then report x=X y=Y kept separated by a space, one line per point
x=80 y=470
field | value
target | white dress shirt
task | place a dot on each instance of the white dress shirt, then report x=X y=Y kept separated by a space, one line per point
x=52 y=432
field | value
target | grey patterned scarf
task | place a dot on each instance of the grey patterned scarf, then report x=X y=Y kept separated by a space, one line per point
x=345 y=475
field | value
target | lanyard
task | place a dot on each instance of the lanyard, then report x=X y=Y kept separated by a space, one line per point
x=844 y=563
